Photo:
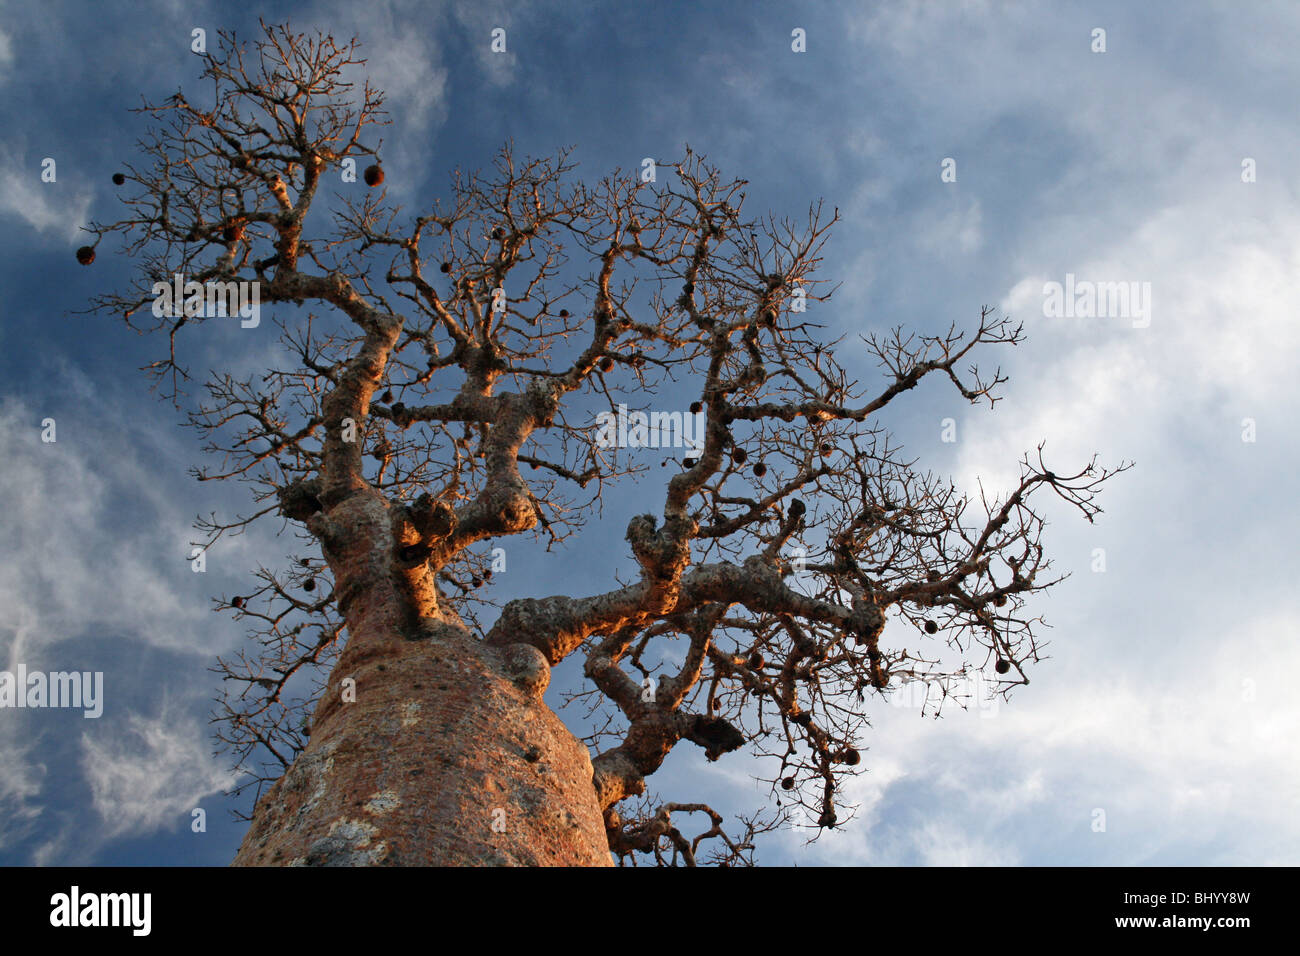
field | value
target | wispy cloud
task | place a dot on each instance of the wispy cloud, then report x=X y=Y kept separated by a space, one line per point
x=150 y=774
x=55 y=208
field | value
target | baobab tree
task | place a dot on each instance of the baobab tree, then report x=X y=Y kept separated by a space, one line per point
x=447 y=388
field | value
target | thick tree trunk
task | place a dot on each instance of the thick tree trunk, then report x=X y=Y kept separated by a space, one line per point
x=447 y=756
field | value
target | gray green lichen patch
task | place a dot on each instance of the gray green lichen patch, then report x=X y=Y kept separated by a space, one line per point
x=348 y=843
x=382 y=802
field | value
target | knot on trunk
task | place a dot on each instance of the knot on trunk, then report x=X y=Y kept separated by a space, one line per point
x=662 y=553
x=432 y=519
x=527 y=669
x=714 y=734
x=301 y=499
x=865 y=622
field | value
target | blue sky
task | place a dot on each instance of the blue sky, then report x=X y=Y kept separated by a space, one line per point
x=1166 y=700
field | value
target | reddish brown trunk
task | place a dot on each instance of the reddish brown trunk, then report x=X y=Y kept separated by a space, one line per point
x=447 y=756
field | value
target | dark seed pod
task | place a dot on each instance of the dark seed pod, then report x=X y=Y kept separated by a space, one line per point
x=697 y=407
x=852 y=757
x=606 y=364
x=445 y=268
x=476 y=582
x=86 y=255
x=931 y=627
x=787 y=783
x=305 y=562
x=487 y=574
x=690 y=462
x=374 y=175
x=1000 y=601
x=738 y=455
x=309 y=585
x=118 y=179
x=756 y=661
x=564 y=313
x=1002 y=666
x=237 y=602
x=760 y=470
x=498 y=233
x=387 y=397
x=803 y=719
x=825 y=448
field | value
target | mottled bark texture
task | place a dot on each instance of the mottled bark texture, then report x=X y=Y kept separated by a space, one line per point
x=447 y=757
x=449 y=388
x=440 y=751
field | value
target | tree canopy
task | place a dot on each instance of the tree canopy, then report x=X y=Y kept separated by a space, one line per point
x=466 y=363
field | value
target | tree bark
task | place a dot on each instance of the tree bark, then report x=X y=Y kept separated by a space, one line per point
x=447 y=756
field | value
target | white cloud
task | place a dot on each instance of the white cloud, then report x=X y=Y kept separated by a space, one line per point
x=946 y=843
x=480 y=20
x=57 y=207
x=82 y=569
x=957 y=226
x=6 y=52
x=102 y=538
x=402 y=45
x=150 y=774
x=1173 y=754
